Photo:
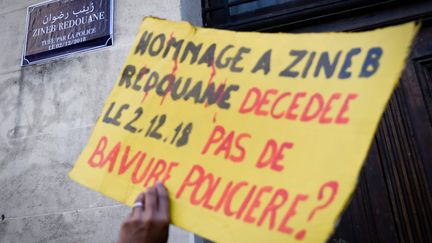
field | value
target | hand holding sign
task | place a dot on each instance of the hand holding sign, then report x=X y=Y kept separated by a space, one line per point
x=149 y=220
x=258 y=141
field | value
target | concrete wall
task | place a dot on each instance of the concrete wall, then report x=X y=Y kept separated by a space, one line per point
x=46 y=116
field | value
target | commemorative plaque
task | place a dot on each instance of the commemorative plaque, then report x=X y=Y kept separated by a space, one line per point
x=62 y=27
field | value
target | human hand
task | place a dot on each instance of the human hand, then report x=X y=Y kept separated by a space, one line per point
x=150 y=218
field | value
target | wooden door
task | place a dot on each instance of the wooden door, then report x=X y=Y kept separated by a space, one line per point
x=393 y=200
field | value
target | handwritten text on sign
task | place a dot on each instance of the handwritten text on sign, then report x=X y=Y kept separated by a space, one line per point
x=257 y=136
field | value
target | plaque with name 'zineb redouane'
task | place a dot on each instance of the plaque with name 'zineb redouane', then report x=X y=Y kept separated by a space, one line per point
x=62 y=27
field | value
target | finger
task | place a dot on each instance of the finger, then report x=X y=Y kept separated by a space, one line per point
x=163 y=208
x=137 y=210
x=151 y=201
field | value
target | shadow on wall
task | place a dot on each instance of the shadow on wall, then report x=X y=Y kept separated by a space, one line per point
x=190 y=11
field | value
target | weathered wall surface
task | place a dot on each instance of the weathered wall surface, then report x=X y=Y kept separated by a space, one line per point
x=46 y=116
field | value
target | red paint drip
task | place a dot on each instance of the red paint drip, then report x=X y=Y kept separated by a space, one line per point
x=223 y=91
x=145 y=93
x=144 y=97
x=210 y=81
x=173 y=72
x=221 y=95
x=171 y=81
x=213 y=73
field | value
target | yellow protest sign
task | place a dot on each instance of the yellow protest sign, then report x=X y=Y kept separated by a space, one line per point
x=256 y=136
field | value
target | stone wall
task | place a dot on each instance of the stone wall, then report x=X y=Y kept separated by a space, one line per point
x=46 y=116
